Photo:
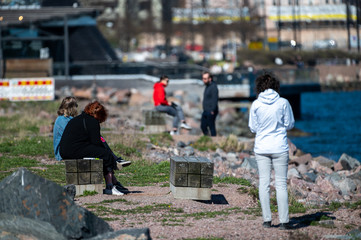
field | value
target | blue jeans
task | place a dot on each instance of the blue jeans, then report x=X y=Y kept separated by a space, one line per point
x=280 y=165
x=175 y=111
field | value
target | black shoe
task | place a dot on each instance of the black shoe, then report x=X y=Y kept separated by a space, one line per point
x=285 y=226
x=122 y=163
x=267 y=224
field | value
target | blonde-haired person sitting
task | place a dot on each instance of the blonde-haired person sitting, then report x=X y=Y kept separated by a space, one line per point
x=67 y=110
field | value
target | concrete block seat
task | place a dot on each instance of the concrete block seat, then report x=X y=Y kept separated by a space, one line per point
x=155 y=121
x=191 y=177
x=85 y=174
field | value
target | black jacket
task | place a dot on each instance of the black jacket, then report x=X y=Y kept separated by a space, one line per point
x=210 y=98
x=76 y=137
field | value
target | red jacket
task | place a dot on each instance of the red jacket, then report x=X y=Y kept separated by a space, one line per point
x=159 y=94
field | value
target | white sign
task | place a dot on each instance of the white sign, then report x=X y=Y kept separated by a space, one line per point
x=29 y=89
x=4 y=89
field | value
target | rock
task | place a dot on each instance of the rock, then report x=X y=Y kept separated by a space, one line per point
x=137 y=99
x=324 y=161
x=304 y=159
x=232 y=157
x=346 y=185
x=134 y=234
x=188 y=151
x=327 y=223
x=355 y=234
x=302 y=168
x=319 y=168
x=249 y=164
x=293 y=173
x=41 y=199
x=310 y=176
x=292 y=148
x=181 y=144
x=18 y=227
x=325 y=184
x=70 y=190
x=348 y=162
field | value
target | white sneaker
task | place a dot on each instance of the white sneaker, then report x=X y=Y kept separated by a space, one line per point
x=186 y=126
x=174 y=133
x=115 y=191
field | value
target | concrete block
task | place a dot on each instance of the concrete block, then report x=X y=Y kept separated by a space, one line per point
x=194 y=165
x=206 y=181
x=194 y=180
x=72 y=178
x=179 y=164
x=96 y=165
x=83 y=178
x=179 y=179
x=191 y=193
x=153 y=117
x=71 y=166
x=206 y=166
x=83 y=165
x=96 y=177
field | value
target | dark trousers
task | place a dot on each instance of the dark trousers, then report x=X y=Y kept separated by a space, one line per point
x=208 y=123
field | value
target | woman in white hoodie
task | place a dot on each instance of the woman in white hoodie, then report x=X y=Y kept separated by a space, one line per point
x=270 y=117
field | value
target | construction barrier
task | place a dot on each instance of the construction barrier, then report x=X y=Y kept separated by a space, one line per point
x=27 y=89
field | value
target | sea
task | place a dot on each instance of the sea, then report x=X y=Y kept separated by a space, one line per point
x=333 y=121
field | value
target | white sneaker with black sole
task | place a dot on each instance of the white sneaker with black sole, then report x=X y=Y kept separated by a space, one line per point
x=122 y=163
x=116 y=192
x=185 y=126
x=113 y=191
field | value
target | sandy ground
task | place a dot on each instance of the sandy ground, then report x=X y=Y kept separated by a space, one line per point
x=230 y=221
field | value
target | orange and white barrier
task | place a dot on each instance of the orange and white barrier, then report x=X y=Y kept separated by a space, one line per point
x=27 y=89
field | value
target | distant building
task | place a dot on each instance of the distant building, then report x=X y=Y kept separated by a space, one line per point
x=312 y=23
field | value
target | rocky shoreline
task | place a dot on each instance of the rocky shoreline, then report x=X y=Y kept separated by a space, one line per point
x=312 y=180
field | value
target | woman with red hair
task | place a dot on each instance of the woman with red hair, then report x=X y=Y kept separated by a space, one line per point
x=81 y=138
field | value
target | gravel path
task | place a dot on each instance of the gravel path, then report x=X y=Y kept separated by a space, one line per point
x=229 y=215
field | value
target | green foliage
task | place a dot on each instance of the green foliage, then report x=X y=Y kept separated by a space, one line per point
x=334 y=206
x=231 y=144
x=89 y=193
x=144 y=173
x=161 y=139
x=8 y=163
x=204 y=143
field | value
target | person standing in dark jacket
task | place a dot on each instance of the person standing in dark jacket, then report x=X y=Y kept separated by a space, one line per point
x=81 y=138
x=210 y=105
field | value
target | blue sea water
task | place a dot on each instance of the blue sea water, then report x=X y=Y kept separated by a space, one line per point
x=334 y=120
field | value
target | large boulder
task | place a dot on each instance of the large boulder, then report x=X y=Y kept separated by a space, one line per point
x=26 y=194
x=348 y=162
x=18 y=227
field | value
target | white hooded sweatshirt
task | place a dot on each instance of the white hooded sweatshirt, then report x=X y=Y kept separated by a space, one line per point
x=270 y=117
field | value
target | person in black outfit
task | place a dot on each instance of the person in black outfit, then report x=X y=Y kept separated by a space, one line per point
x=210 y=105
x=81 y=138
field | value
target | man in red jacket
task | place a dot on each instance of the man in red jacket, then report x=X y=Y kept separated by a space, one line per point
x=162 y=105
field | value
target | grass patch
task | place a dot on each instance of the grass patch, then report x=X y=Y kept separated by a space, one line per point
x=30 y=146
x=204 y=143
x=89 y=193
x=232 y=180
x=55 y=173
x=161 y=139
x=144 y=173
